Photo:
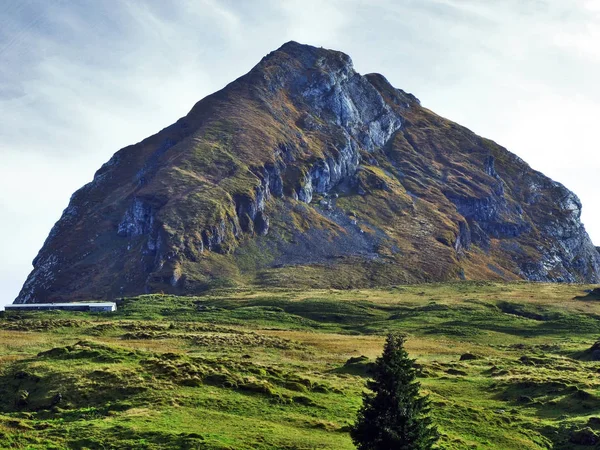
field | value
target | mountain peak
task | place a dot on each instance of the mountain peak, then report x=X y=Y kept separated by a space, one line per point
x=293 y=57
x=297 y=47
x=305 y=173
x=306 y=53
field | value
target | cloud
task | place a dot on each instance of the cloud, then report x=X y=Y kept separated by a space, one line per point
x=79 y=80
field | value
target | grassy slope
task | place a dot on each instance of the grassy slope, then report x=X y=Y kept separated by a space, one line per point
x=266 y=369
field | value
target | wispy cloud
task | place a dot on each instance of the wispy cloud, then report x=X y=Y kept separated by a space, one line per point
x=79 y=80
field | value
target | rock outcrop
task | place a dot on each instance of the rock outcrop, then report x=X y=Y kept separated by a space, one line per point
x=305 y=173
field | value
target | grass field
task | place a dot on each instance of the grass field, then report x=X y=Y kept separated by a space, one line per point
x=241 y=369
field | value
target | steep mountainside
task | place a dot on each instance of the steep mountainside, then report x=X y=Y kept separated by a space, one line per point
x=305 y=173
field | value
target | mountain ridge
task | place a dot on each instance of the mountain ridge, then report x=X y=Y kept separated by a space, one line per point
x=303 y=172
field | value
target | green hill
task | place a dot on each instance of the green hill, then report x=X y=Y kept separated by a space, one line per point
x=507 y=366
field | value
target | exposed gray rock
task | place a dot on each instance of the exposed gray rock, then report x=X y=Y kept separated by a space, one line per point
x=138 y=220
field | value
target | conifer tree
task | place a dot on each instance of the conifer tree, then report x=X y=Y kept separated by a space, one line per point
x=394 y=416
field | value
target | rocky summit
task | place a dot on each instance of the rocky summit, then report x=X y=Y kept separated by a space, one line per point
x=304 y=173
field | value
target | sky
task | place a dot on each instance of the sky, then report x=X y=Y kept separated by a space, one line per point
x=80 y=79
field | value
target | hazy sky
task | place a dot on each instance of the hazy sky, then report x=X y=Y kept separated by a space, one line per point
x=80 y=79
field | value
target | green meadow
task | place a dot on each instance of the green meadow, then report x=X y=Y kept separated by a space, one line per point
x=506 y=366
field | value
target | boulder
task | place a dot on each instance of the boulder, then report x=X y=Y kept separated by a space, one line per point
x=586 y=436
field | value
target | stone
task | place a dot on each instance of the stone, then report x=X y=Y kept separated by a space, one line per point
x=594 y=422
x=585 y=436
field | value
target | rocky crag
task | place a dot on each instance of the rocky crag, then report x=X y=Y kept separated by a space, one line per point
x=305 y=173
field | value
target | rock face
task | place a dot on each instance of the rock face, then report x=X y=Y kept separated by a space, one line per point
x=305 y=173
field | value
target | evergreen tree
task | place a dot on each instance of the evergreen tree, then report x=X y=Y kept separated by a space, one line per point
x=394 y=416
